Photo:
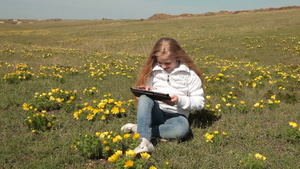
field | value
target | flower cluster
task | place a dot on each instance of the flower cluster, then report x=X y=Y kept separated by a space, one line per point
x=216 y=137
x=254 y=161
x=37 y=109
x=270 y=103
x=91 y=91
x=53 y=100
x=113 y=147
x=102 y=110
x=40 y=121
x=17 y=76
x=293 y=132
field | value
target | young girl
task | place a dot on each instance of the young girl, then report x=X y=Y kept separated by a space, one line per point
x=168 y=70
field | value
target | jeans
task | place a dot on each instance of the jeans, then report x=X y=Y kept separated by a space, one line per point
x=154 y=122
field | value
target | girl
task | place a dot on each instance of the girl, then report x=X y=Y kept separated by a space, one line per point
x=168 y=70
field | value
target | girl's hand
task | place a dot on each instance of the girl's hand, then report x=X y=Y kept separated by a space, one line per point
x=144 y=88
x=173 y=101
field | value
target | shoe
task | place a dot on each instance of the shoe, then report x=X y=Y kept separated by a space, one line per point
x=144 y=148
x=128 y=128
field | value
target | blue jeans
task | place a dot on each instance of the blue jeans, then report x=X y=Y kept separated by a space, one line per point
x=154 y=122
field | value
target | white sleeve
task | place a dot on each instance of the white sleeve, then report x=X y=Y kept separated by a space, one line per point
x=195 y=99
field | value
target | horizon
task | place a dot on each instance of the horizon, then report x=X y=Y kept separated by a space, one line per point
x=286 y=8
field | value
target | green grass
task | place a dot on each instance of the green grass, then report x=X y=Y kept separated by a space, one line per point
x=256 y=48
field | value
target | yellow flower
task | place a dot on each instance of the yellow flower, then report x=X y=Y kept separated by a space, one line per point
x=119 y=153
x=209 y=137
x=115 y=110
x=122 y=110
x=293 y=124
x=152 y=167
x=76 y=115
x=90 y=117
x=107 y=148
x=111 y=100
x=130 y=153
x=224 y=133
x=128 y=163
x=113 y=158
x=25 y=106
x=119 y=103
x=49 y=124
x=95 y=111
x=256 y=104
x=136 y=136
x=106 y=112
x=127 y=135
x=103 y=117
x=259 y=156
x=101 y=104
x=98 y=134
x=145 y=155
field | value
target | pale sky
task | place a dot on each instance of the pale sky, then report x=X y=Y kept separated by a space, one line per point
x=125 y=9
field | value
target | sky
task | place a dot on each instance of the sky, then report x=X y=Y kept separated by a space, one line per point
x=125 y=9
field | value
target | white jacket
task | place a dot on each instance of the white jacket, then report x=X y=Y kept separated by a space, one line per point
x=184 y=83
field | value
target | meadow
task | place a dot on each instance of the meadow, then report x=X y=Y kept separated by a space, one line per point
x=65 y=92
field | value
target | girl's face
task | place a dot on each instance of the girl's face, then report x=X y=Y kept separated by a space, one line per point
x=167 y=63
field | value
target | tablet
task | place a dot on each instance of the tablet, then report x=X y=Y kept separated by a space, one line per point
x=153 y=95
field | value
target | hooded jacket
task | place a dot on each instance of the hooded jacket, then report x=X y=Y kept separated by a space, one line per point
x=184 y=83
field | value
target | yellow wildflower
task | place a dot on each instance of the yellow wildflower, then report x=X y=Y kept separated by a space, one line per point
x=136 y=136
x=98 y=134
x=127 y=135
x=119 y=103
x=152 y=167
x=145 y=155
x=122 y=110
x=113 y=158
x=259 y=156
x=90 y=117
x=76 y=115
x=293 y=124
x=103 y=117
x=25 y=106
x=128 y=163
x=130 y=153
x=119 y=153
x=111 y=100
x=209 y=137
x=115 y=110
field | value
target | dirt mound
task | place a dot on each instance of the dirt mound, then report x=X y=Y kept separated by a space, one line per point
x=162 y=16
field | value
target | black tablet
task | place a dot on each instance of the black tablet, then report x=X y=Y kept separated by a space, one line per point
x=153 y=95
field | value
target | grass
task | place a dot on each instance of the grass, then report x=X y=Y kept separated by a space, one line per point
x=257 y=54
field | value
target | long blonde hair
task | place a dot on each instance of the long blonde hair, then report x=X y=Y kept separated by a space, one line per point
x=172 y=48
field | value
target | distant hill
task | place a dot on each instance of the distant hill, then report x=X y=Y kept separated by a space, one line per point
x=162 y=16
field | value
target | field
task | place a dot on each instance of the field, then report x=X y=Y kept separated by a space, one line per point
x=65 y=92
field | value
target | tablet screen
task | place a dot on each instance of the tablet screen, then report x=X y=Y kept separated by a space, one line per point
x=153 y=95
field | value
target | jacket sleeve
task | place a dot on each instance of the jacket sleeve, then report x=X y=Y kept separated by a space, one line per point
x=195 y=99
